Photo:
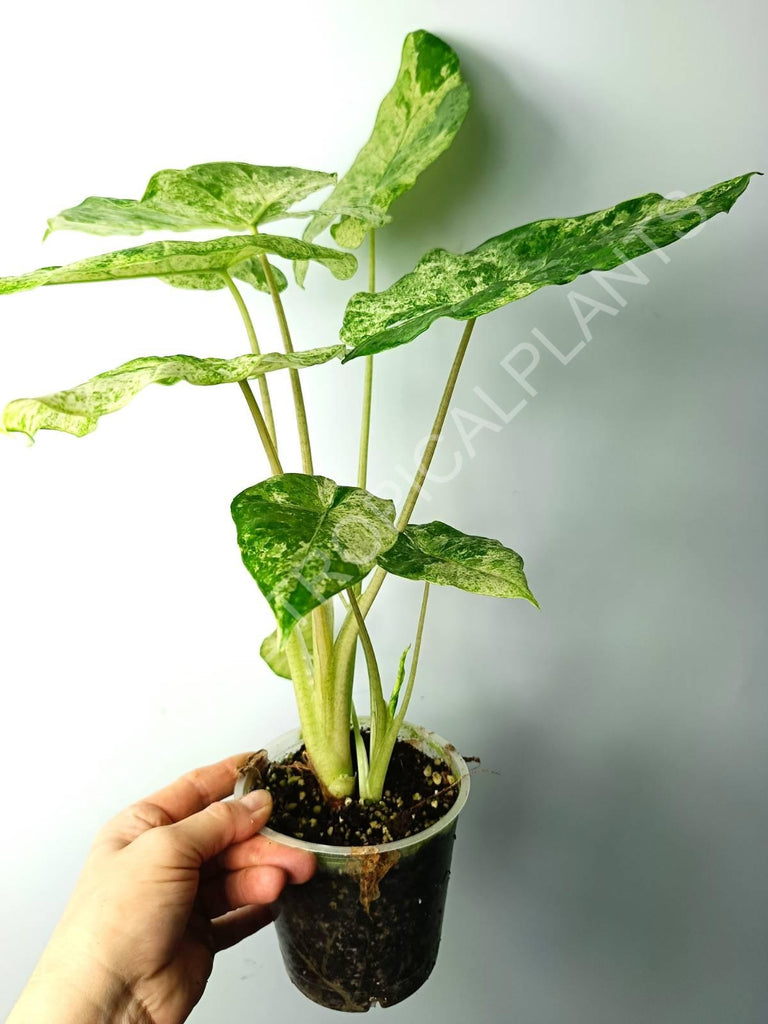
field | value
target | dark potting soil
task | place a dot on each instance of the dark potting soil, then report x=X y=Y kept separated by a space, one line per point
x=419 y=791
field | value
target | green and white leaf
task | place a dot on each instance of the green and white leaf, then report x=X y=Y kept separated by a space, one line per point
x=416 y=122
x=182 y=258
x=275 y=655
x=519 y=262
x=236 y=196
x=305 y=539
x=78 y=410
x=249 y=271
x=440 y=554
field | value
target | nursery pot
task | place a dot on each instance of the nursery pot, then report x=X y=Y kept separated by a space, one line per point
x=366 y=928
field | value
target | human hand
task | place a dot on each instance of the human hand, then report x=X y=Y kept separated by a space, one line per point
x=168 y=883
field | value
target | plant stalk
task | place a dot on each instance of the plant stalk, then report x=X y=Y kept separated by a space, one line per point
x=442 y=411
x=378 y=707
x=298 y=394
x=381 y=754
x=331 y=763
x=266 y=401
x=322 y=637
x=362 y=754
x=400 y=716
x=369 y=594
x=346 y=641
x=365 y=425
x=263 y=429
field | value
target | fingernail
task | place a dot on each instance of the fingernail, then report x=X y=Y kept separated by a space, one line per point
x=256 y=800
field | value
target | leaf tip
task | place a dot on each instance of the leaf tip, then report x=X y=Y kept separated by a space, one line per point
x=300 y=268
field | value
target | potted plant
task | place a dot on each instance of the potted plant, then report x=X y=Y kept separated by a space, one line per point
x=375 y=797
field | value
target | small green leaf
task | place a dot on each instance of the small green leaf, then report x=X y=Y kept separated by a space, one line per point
x=439 y=554
x=77 y=411
x=236 y=196
x=392 y=705
x=416 y=122
x=274 y=654
x=174 y=259
x=519 y=262
x=304 y=539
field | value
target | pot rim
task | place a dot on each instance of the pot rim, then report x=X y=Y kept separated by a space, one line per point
x=283 y=744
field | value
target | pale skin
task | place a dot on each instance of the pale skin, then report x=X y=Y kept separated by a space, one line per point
x=168 y=883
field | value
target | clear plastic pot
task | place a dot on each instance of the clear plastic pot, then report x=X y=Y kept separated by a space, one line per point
x=366 y=928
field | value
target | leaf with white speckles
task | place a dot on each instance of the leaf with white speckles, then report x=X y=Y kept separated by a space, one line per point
x=440 y=554
x=181 y=258
x=519 y=262
x=77 y=411
x=305 y=539
x=249 y=271
x=236 y=196
x=416 y=122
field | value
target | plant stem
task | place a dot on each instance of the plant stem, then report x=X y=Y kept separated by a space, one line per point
x=327 y=744
x=266 y=401
x=378 y=707
x=298 y=395
x=404 y=518
x=372 y=260
x=322 y=641
x=362 y=756
x=437 y=426
x=400 y=717
x=365 y=426
x=263 y=429
x=331 y=763
x=381 y=753
x=380 y=719
x=346 y=641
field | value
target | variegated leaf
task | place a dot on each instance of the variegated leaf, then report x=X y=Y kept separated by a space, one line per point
x=174 y=259
x=249 y=271
x=416 y=122
x=305 y=539
x=236 y=196
x=78 y=410
x=440 y=554
x=519 y=262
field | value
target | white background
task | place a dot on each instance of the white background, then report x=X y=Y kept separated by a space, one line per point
x=610 y=867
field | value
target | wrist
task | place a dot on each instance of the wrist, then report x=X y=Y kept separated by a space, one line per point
x=61 y=992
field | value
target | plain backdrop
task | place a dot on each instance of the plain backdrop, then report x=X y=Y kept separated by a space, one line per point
x=610 y=867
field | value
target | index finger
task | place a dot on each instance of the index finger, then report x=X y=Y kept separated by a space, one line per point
x=195 y=790
x=186 y=796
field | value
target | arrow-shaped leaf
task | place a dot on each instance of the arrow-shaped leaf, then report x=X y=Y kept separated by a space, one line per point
x=519 y=262
x=416 y=122
x=77 y=411
x=174 y=259
x=236 y=196
x=440 y=554
x=304 y=539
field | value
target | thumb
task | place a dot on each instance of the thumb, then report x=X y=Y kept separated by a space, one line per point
x=203 y=835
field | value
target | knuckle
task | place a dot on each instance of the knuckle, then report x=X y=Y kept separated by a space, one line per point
x=222 y=813
x=147 y=815
x=133 y=822
x=160 y=842
x=196 y=779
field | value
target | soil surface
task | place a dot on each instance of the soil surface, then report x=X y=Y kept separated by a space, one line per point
x=419 y=791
